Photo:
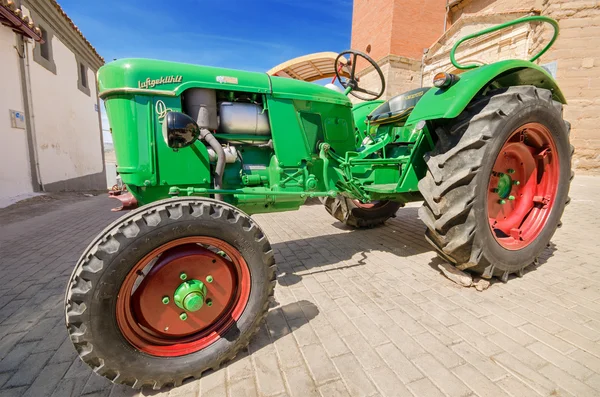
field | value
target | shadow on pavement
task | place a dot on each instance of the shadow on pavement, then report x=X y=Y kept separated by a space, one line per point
x=401 y=236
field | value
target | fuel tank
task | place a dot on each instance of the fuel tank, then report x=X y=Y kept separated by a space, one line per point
x=243 y=118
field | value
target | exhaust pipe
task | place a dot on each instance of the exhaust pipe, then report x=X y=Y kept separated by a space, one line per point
x=209 y=138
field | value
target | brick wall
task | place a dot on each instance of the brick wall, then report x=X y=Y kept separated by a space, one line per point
x=398 y=27
x=577 y=53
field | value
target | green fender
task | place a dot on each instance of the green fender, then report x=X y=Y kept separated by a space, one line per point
x=448 y=103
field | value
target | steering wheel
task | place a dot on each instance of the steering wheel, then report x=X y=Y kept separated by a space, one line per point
x=352 y=80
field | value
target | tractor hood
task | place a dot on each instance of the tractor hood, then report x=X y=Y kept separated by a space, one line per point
x=154 y=77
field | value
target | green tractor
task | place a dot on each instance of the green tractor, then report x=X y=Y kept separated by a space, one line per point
x=178 y=286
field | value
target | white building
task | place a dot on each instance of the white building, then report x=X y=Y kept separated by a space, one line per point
x=50 y=129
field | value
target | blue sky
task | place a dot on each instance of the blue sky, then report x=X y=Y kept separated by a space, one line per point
x=242 y=34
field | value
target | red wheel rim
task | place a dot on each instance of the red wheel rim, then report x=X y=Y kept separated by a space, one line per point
x=522 y=187
x=372 y=204
x=155 y=326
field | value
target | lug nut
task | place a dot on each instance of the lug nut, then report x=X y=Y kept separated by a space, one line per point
x=165 y=300
x=209 y=302
x=183 y=276
x=516 y=183
x=494 y=190
x=501 y=201
x=209 y=279
x=511 y=197
x=183 y=316
x=500 y=174
x=510 y=171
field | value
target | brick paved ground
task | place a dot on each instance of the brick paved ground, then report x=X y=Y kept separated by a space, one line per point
x=357 y=313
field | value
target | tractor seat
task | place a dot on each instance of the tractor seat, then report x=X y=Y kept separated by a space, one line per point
x=397 y=108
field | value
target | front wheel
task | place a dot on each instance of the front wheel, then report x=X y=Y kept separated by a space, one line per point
x=498 y=182
x=169 y=291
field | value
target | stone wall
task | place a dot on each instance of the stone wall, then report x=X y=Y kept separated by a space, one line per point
x=577 y=56
x=511 y=43
x=401 y=74
x=460 y=8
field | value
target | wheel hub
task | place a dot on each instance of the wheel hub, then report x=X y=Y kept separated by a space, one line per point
x=190 y=295
x=504 y=186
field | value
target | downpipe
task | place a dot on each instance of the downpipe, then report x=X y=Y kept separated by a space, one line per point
x=209 y=138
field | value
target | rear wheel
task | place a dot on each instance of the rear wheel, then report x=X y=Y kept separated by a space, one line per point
x=498 y=182
x=360 y=215
x=169 y=291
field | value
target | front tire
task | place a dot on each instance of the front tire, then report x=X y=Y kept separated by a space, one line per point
x=498 y=182
x=169 y=291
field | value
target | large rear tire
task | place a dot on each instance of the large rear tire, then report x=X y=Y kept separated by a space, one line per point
x=358 y=215
x=498 y=182
x=169 y=291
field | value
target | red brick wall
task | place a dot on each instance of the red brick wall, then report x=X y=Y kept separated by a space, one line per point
x=372 y=25
x=416 y=25
x=398 y=27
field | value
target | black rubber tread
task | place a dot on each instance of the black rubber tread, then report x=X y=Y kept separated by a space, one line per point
x=168 y=218
x=457 y=170
x=346 y=211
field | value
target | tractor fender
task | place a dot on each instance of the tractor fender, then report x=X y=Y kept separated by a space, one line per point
x=449 y=102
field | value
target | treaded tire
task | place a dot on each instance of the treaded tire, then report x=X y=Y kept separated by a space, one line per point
x=346 y=211
x=456 y=184
x=92 y=290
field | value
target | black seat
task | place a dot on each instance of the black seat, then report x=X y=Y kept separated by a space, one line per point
x=397 y=108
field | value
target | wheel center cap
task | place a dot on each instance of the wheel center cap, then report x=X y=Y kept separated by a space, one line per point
x=505 y=183
x=190 y=295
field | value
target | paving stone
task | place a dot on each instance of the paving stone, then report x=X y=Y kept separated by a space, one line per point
x=18 y=354
x=441 y=376
x=13 y=392
x=213 y=384
x=242 y=388
x=47 y=380
x=28 y=370
x=268 y=375
x=387 y=382
x=424 y=388
x=563 y=362
x=357 y=382
x=68 y=387
x=486 y=365
x=240 y=368
x=361 y=349
x=530 y=377
x=567 y=382
x=442 y=353
x=482 y=386
x=300 y=382
x=514 y=387
x=334 y=389
x=320 y=366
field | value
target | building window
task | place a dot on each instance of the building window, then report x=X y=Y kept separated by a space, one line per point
x=82 y=81
x=42 y=53
x=45 y=48
x=83 y=75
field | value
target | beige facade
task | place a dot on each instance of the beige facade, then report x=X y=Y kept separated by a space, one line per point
x=49 y=81
x=574 y=59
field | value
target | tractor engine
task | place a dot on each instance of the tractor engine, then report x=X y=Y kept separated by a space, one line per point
x=240 y=124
